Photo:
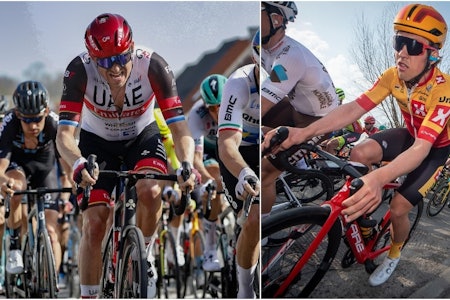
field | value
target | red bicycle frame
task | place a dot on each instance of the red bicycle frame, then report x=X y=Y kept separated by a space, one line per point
x=361 y=249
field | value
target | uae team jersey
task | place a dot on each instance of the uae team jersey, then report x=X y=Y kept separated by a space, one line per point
x=87 y=96
x=425 y=108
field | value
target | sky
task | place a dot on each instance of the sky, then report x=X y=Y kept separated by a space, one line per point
x=327 y=28
x=53 y=32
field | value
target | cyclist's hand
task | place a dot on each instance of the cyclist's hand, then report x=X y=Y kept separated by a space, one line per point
x=271 y=136
x=7 y=188
x=243 y=187
x=81 y=175
x=187 y=185
x=208 y=187
x=365 y=200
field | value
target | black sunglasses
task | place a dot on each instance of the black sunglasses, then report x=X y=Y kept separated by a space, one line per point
x=414 y=47
x=108 y=62
x=29 y=120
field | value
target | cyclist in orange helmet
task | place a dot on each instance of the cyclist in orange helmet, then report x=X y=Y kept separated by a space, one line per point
x=415 y=151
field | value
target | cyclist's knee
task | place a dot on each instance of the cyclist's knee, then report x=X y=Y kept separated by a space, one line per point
x=148 y=189
x=400 y=207
x=251 y=225
x=369 y=152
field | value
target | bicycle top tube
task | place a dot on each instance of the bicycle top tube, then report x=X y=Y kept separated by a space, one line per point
x=138 y=175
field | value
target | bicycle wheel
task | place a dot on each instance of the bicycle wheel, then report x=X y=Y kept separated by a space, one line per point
x=106 y=284
x=169 y=271
x=133 y=277
x=285 y=238
x=226 y=238
x=307 y=185
x=74 y=279
x=196 y=274
x=437 y=197
x=28 y=269
x=46 y=274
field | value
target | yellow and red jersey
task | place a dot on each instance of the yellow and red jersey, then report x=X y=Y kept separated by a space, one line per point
x=425 y=108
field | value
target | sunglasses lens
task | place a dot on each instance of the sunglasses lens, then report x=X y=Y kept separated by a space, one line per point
x=32 y=120
x=108 y=62
x=414 y=47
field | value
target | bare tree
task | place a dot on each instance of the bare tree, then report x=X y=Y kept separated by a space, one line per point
x=373 y=53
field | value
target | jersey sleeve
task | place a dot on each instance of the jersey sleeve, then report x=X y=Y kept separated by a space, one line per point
x=163 y=84
x=75 y=81
x=379 y=91
x=234 y=99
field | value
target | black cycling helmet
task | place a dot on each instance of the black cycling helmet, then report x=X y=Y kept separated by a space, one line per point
x=30 y=98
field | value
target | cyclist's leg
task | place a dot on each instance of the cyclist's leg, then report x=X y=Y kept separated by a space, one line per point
x=95 y=216
x=146 y=154
x=269 y=174
x=14 y=222
x=247 y=247
x=210 y=257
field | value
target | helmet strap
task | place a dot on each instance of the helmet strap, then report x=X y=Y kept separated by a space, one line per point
x=415 y=80
x=270 y=10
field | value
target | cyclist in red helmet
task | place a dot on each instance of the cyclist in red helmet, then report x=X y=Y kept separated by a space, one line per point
x=369 y=125
x=114 y=87
x=416 y=151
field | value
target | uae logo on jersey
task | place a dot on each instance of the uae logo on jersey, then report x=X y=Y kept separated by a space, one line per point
x=418 y=108
x=278 y=74
x=440 y=115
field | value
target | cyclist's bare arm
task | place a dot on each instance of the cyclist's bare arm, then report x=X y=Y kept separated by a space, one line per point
x=369 y=196
x=336 y=119
x=198 y=164
x=228 y=145
x=69 y=151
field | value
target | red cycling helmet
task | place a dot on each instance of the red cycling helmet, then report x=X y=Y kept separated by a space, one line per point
x=108 y=35
x=369 y=120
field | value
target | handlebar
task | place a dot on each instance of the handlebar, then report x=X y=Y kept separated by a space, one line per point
x=38 y=191
x=247 y=204
x=280 y=136
x=178 y=209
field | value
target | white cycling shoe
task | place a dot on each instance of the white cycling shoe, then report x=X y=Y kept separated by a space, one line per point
x=383 y=271
x=14 y=264
x=211 y=261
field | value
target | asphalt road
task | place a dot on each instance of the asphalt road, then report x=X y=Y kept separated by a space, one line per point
x=423 y=271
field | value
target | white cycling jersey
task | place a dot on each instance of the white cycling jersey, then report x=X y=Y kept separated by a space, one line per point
x=239 y=108
x=203 y=127
x=295 y=72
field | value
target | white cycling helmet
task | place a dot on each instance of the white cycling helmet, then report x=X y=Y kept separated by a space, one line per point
x=287 y=8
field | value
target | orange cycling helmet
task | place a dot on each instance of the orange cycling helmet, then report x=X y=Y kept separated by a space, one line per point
x=108 y=35
x=422 y=20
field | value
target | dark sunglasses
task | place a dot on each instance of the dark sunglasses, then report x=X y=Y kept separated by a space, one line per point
x=414 y=47
x=29 y=120
x=368 y=123
x=108 y=62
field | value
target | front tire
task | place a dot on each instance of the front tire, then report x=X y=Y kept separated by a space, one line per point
x=285 y=238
